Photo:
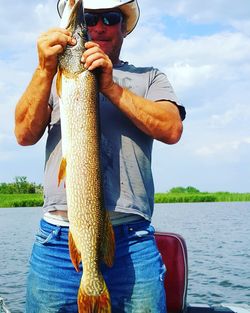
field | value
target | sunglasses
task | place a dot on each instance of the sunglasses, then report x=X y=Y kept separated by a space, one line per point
x=108 y=18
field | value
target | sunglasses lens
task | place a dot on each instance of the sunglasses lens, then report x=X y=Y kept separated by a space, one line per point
x=91 y=19
x=109 y=18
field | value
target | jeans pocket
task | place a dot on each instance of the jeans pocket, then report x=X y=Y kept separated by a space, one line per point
x=43 y=237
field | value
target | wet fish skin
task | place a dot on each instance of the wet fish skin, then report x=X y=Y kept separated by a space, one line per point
x=91 y=238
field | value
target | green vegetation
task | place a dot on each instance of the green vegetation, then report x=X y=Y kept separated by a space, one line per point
x=20 y=200
x=21 y=193
x=191 y=194
x=20 y=186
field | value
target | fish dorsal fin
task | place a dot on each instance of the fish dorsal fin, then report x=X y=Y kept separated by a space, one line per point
x=108 y=242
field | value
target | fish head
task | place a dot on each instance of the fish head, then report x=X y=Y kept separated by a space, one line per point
x=70 y=59
x=77 y=23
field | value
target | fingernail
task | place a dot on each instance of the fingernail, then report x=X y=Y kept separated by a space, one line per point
x=73 y=40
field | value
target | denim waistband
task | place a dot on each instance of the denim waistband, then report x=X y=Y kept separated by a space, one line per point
x=119 y=230
x=126 y=229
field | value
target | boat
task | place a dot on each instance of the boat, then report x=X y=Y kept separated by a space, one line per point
x=175 y=257
x=3 y=308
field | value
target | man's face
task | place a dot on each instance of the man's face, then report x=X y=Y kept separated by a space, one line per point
x=109 y=37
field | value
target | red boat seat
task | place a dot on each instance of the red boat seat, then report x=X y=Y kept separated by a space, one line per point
x=174 y=253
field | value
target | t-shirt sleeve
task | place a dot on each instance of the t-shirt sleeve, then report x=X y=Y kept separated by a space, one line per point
x=161 y=89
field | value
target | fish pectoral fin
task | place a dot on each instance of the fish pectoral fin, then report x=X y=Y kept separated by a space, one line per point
x=108 y=243
x=96 y=304
x=62 y=170
x=75 y=255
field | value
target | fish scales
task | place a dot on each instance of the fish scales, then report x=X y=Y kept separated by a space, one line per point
x=91 y=238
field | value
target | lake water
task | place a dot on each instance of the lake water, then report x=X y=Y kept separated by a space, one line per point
x=217 y=237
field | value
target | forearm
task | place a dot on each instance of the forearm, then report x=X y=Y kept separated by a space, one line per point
x=160 y=120
x=32 y=113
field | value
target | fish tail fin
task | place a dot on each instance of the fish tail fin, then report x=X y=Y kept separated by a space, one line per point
x=108 y=244
x=94 y=303
x=62 y=171
x=75 y=255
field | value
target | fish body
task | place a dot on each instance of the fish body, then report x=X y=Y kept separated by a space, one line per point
x=91 y=238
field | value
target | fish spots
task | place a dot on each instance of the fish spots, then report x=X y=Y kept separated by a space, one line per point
x=81 y=145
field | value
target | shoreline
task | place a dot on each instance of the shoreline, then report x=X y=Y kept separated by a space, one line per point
x=36 y=200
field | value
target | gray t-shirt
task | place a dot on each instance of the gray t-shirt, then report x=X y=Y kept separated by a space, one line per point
x=126 y=150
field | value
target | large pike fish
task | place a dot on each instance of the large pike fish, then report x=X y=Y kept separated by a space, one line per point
x=91 y=238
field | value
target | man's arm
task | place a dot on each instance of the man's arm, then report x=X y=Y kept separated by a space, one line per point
x=160 y=120
x=32 y=113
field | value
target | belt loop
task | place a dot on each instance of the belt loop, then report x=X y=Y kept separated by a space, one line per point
x=56 y=232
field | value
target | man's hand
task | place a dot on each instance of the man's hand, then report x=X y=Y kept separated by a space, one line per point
x=95 y=58
x=49 y=45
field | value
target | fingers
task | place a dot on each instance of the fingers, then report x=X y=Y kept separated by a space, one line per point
x=56 y=37
x=95 y=60
x=94 y=57
x=60 y=30
x=50 y=44
x=91 y=44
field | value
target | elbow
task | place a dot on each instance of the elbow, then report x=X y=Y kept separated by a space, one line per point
x=173 y=134
x=23 y=138
x=176 y=134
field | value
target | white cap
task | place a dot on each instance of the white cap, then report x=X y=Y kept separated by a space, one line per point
x=129 y=9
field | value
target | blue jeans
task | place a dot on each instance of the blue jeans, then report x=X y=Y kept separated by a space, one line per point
x=135 y=282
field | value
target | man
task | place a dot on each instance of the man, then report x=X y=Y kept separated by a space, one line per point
x=137 y=105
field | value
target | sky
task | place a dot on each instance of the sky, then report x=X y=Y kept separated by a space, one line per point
x=202 y=46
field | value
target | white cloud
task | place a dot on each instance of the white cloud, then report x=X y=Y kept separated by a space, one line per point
x=205 y=71
x=227 y=152
x=237 y=115
x=242 y=26
x=217 y=149
x=215 y=11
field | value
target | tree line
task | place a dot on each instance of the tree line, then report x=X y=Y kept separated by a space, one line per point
x=20 y=186
x=188 y=189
